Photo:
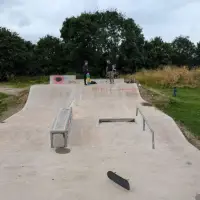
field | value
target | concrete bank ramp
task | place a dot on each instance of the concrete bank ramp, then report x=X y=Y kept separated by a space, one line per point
x=49 y=96
x=31 y=170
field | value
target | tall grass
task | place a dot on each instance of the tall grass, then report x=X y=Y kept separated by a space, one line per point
x=169 y=77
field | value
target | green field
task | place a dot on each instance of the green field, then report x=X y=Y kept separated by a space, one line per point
x=184 y=108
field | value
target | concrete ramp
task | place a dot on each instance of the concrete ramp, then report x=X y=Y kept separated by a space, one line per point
x=28 y=130
x=30 y=169
x=49 y=97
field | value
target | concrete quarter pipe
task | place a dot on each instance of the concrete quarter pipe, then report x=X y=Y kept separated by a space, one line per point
x=30 y=169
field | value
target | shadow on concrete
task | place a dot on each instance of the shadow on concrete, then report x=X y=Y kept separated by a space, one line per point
x=197 y=197
x=146 y=104
x=116 y=120
x=62 y=150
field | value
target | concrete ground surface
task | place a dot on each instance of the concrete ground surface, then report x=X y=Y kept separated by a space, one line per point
x=30 y=169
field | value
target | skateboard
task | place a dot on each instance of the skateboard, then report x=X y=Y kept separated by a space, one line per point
x=118 y=179
x=88 y=78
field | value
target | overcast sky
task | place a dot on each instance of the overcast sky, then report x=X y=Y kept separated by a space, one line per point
x=33 y=19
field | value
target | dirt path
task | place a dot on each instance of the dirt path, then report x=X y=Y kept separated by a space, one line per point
x=15 y=102
x=10 y=90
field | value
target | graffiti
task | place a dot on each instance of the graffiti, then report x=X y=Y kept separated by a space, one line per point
x=58 y=79
x=62 y=79
x=99 y=89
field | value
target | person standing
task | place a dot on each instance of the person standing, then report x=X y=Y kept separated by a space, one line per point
x=114 y=70
x=110 y=72
x=85 y=71
x=107 y=71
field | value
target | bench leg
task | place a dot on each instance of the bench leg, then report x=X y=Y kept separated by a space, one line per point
x=51 y=138
x=65 y=139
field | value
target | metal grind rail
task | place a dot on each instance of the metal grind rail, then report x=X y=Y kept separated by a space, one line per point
x=145 y=122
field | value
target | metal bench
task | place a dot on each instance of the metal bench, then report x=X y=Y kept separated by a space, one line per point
x=61 y=127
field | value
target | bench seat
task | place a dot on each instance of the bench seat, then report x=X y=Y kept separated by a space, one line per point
x=61 y=127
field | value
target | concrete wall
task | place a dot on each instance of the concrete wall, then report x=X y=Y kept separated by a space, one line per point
x=66 y=79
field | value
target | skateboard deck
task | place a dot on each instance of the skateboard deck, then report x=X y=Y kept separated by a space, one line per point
x=118 y=179
x=88 y=78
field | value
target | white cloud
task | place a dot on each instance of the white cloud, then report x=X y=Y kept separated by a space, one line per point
x=33 y=19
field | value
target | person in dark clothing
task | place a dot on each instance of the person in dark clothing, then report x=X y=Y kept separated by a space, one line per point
x=85 y=70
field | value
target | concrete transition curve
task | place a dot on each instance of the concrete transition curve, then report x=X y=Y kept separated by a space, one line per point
x=30 y=169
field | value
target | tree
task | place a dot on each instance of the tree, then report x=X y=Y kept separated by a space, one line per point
x=132 y=46
x=95 y=37
x=102 y=35
x=183 y=51
x=157 y=53
x=49 y=53
x=197 y=55
x=13 y=54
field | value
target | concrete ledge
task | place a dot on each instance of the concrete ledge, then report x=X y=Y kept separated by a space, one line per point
x=63 y=79
x=61 y=128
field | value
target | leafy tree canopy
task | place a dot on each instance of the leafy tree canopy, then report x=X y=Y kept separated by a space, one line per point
x=95 y=37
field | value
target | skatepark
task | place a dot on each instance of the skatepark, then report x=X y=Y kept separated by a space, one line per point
x=150 y=150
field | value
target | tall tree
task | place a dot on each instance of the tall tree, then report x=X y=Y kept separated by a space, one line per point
x=13 y=54
x=197 y=54
x=157 y=52
x=95 y=37
x=49 y=52
x=108 y=35
x=183 y=51
x=132 y=46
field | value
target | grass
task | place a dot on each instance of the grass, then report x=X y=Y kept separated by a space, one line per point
x=10 y=104
x=23 y=82
x=169 y=77
x=185 y=107
x=3 y=104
